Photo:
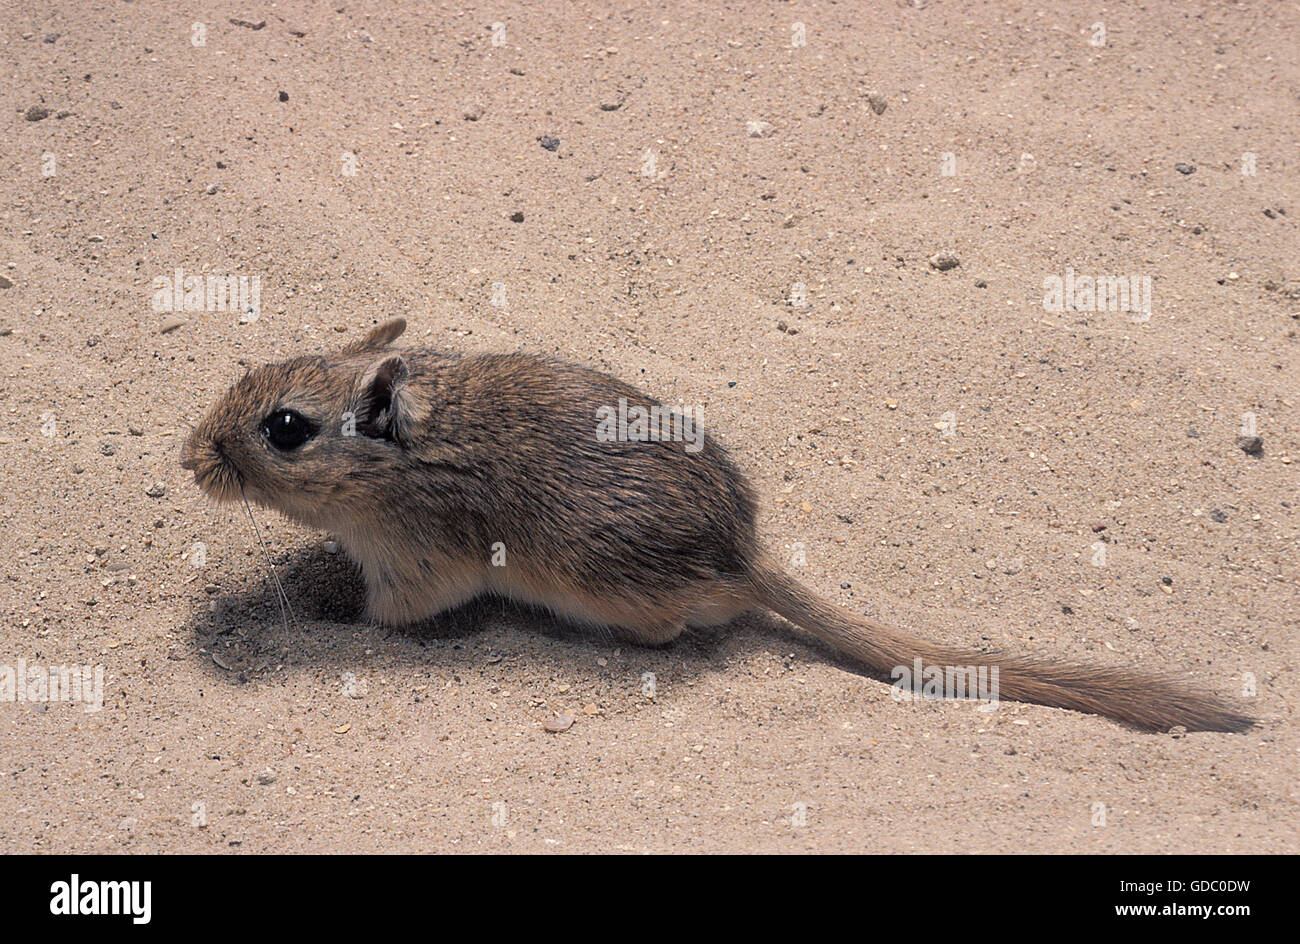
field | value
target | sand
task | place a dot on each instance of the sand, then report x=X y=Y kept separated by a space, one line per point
x=694 y=200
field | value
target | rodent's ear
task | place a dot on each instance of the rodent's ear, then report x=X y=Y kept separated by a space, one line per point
x=378 y=337
x=387 y=406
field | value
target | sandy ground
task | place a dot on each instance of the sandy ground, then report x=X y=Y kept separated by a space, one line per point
x=729 y=218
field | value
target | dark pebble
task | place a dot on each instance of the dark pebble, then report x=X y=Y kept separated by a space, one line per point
x=944 y=260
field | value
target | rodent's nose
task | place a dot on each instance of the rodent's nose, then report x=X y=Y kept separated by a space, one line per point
x=204 y=454
x=198 y=448
x=189 y=455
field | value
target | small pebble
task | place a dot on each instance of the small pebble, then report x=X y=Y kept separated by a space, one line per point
x=37 y=113
x=562 y=723
x=944 y=260
x=549 y=142
x=284 y=96
x=1183 y=168
x=1218 y=515
x=170 y=325
x=758 y=129
x=250 y=24
x=516 y=217
x=156 y=490
x=6 y=282
x=877 y=102
x=472 y=113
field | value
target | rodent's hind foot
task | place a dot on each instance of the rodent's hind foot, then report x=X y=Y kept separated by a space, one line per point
x=649 y=619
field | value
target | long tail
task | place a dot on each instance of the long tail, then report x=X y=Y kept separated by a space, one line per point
x=1150 y=703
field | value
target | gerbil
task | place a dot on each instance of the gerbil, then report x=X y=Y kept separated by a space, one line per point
x=422 y=463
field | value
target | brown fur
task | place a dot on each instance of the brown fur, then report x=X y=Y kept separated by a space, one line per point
x=453 y=456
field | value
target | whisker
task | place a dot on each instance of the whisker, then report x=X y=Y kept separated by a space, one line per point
x=282 y=598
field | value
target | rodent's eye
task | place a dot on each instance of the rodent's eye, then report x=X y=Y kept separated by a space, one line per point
x=285 y=429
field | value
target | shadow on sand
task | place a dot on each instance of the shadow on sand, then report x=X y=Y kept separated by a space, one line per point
x=244 y=634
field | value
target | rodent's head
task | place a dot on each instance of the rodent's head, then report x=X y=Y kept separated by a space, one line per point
x=308 y=436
